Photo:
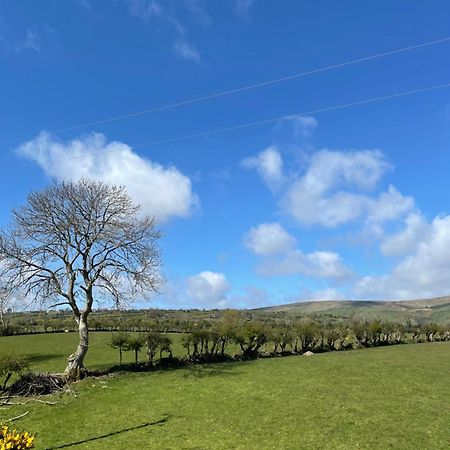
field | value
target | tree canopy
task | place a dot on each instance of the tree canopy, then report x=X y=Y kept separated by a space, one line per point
x=74 y=242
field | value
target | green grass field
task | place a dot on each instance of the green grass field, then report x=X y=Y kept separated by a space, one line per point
x=49 y=352
x=383 y=398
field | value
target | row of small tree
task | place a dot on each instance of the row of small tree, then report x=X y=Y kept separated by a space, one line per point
x=153 y=341
x=206 y=341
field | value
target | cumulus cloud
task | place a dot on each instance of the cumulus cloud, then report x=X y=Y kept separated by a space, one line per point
x=268 y=164
x=269 y=239
x=277 y=246
x=424 y=273
x=208 y=289
x=330 y=169
x=317 y=264
x=310 y=207
x=334 y=190
x=161 y=191
x=390 y=205
x=334 y=187
x=406 y=241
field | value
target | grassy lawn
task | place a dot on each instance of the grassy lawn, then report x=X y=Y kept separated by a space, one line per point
x=384 y=398
x=49 y=352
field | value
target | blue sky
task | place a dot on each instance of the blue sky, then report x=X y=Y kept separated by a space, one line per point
x=351 y=203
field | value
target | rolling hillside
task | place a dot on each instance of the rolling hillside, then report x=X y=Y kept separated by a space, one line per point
x=435 y=309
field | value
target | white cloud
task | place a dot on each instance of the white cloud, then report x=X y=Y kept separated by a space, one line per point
x=208 y=289
x=186 y=50
x=269 y=166
x=212 y=290
x=330 y=169
x=317 y=264
x=161 y=191
x=269 y=239
x=309 y=207
x=334 y=187
x=406 y=241
x=390 y=205
x=333 y=190
x=424 y=273
x=281 y=257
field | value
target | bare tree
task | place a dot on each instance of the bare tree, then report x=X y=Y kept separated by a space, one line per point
x=73 y=242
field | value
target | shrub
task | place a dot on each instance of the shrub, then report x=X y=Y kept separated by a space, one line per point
x=157 y=341
x=135 y=343
x=165 y=345
x=11 y=364
x=120 y=342
x=15 y=440
x=251 y=337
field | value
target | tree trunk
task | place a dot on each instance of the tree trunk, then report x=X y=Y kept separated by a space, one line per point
x=2 y=322
x=75 y=368
x=8 y=376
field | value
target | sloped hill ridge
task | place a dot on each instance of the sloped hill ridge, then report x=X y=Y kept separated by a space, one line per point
x=433 y=309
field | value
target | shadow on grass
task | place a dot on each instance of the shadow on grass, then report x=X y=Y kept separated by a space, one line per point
x=205 y=370
x=41 y=357
x=200 y=368
x=161 y=421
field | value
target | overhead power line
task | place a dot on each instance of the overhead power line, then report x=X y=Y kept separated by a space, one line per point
x=273 y=119
x=243 y=88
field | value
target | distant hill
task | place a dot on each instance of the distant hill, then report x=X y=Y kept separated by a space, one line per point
x=434 y=309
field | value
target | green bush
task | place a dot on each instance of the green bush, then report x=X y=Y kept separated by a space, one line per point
x=11 y=364
x=120 y=342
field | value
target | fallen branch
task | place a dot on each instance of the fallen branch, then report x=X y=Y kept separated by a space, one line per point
x=17 y=417
x=45 y=402
x=36 y=384
x=9 y=403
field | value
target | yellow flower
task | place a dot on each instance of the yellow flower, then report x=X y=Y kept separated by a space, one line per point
x=15 y=440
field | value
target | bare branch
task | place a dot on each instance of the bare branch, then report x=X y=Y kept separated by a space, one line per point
x=77 y=240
